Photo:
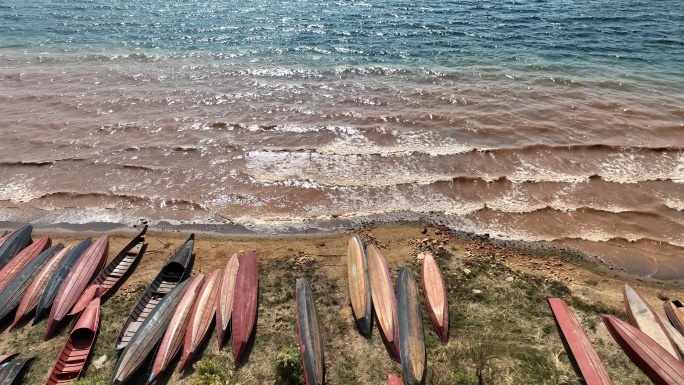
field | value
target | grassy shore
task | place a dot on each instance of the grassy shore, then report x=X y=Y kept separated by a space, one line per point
x=500 y=320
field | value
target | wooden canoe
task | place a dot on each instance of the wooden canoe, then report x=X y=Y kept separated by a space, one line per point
x=173 y=337
x=11 y=296
x=57 y=278
x=14 y=243
x=5 y=359
x=245 y=301
x=643 y=317
x=411 y=333
x=677 y=338
x=203 y=313
x=394 y=380
x=359 y=285
x=224 y=308
x=384 y=300
x=12 y=370
x=675 y=313
x=656 y=362
x=173 y=272
x=75 y=352
x=30 y=299
x=436 y=296
x=5 y=235
x=310 y=336
x=116 y=271
x=148 y=335
x=585 y=357
x=14 y=266
x=84 y=271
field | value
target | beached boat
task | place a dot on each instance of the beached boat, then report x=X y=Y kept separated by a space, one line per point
x=74 y=354
x=148 y=335
x=677 y=338
x=656 y=362
x=675 y=313
x=57 y=278
x=14 y=266
x=359 y=285
x=83 y=272
x=5 y=359
x=12 y=371
x=224 y=308
x=116 y=271
x=5 y=235
x=384 y=300
x=394 y=380
x=202 y=314
x=643 y=317
x=436 y=296
x=245 y=301
x=175 y=333
x=310 y=337
x=411 y=333
x=173 y=272
x=14 y=243
x=585 y=357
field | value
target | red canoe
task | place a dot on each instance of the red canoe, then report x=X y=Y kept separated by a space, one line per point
x=202 y=314
x=224 y=308
x=359 y=285
x=436 y=296
x=657 y=363
x=86 y=268
x=588 y=361
x=175 y=332
x=244 y=304
x=75 y=353
x=14 y=266
x=384 y=300
x=394 y=380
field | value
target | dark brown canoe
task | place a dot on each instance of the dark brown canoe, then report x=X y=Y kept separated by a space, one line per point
x=657 y=363
x=5 y=359
x=411 y=333
x=202 y=314
x=173 y=272
x=245 y=302
x=585 y=357
x=224 y=308
x=148 y=335
x=12 y=370
x=310 y=337
x=675 y=313
x=75 y=352
x=436 y=296
x=394 y=380
x=116 y=271
x=359 y=285
x=173 y=337
x=83 y=272
x=14 y=266
x=384 y=300
x=14 y=243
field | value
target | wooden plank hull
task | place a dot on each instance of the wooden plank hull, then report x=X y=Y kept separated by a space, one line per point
x=656 y=362
x=5 y=359
x=14 y=243
x=245 y=301
x=384 y=300
x=586 y=358
x=23 y=258
x=12 y=371
x=203 y=313
x=411 y=333
x=436 y=296
x=224 y=310
x=310 y=336
x=394 y=380
x=359 y=285
x=675 y=313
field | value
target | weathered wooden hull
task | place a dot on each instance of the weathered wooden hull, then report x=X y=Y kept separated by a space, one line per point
x=14 y=243
x=224 y=310
x=245 y=301
x=203 y=313
x=411 y=333
x=384 y=300
x=310 y=336
x=173 y=272
x=656 y=362
x=359 y=285
x=436 y=296
x=677 y=339
x=675 y=313
x=75 y=352
x=24 y=257
x=586 y=358
x=11 y=372
x=394 y=380
x=83 y=272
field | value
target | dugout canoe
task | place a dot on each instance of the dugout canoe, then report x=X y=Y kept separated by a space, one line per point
x=24 y=257
x=175 y=333
x=11 y=372
x=393 y=380
x=384 y=300
x=656 y=362
x=359 y=285
x=74 y=354
x=643 y=317
x=224 y=308
x=436 y=297
x=5 y=359
x=57 y=278
x=675 y=313
x=116 y=271
x=310 y=336
x=411 y=333
x=677 y=338
x=245 y=301
x=14 y=243
x=84 y=271
x=584 y=354
x=148 y=335
x=203 y=313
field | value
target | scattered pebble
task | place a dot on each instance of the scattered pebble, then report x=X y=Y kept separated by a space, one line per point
x=466 y=271
x=99 y=363
x=476 y=291
x=509 y=279
x=420 y=256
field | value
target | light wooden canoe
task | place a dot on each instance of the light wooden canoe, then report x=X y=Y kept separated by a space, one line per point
x=359 y=285
x=24 y=257
x=310 y=336
x=224 y=310
x=436 y=296
x=245 y=301
x=394 y=380
x=14 y=243
x=675 y=313
x=677 y=338
x=411 y=333
x=384 y=300
x=585 y=357
x=12 y=370
x=202 y=314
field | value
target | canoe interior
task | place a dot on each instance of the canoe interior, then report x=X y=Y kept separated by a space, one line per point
x=13 y=370
x=436 y=298
x=359 y=285
x=384 y=299
x=675 y=313
x=310 y=337
x=245 y=301
x=122 y=265
x=14 y=243
x=411 y=333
